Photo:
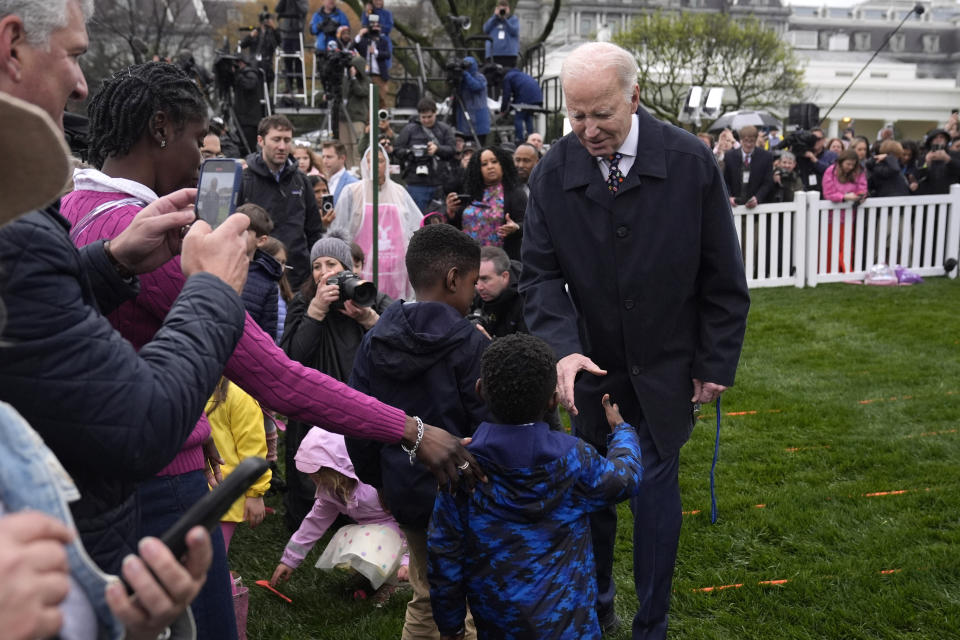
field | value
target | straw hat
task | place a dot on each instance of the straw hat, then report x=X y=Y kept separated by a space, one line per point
x=36 y=161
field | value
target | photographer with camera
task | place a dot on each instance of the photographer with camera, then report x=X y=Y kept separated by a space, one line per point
x=939 y=168
x=785 y=178
x=261 y=43
x=326 y=20
x=504 y=31
x=323 y=330
x=473 y=116
x=425 y=147
x=376 y=48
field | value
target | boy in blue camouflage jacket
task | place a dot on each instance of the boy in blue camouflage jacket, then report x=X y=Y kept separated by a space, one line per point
x=518 y=548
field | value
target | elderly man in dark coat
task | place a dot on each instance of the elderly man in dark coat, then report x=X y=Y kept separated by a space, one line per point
x=631 y=216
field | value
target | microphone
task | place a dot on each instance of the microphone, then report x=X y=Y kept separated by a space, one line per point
x=919 y=9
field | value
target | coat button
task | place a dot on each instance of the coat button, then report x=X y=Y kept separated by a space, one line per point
x=635 y=370
x=622 y=231
x=628 y=304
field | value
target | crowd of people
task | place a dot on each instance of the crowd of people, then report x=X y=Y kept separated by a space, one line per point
x=760 y=167
x=152 y=354
x=347 y=63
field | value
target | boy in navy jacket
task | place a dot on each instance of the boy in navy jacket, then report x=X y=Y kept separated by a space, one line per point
x=518 y=549
x=423 y=356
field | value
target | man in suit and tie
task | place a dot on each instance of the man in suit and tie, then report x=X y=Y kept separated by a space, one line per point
x=632 y=272
x=748 y=171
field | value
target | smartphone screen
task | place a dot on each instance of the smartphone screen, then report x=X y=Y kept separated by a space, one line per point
x=220 y=180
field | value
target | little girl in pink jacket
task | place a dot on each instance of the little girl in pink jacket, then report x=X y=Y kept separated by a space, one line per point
x=374 y=546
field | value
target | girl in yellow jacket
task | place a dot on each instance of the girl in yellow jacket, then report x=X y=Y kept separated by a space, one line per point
x=236 y=423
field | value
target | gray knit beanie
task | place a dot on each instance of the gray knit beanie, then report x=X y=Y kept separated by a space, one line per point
x=333 y=246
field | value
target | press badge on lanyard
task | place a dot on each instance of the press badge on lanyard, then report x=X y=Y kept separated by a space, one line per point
x=501 y=35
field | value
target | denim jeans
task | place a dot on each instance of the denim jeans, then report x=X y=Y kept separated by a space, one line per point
x=422 y=194
x=163 y=499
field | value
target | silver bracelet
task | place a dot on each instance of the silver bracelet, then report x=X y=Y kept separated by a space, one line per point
x=166 y=634
x=416 y=445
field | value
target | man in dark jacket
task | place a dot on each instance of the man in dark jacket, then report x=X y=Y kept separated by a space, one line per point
x=426 y=147
x=273 y=181
x=940 y=168
x=498 y=303
x=424 y=356
x=748 y=171
x=632 y=272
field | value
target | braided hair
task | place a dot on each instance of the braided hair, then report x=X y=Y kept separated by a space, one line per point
x=123 y=109
x=473 y=182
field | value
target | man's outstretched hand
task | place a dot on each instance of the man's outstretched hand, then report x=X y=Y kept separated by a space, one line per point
x=567 y=369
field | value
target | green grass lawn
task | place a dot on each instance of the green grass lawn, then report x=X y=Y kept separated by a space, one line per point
x=843 y=391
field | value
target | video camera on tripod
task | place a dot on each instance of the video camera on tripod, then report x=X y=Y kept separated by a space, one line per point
x=454 y=70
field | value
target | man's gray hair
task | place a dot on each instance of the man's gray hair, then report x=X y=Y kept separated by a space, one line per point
x=589 y=58
x=496 y=255
x=42 y=17
x=786 y=155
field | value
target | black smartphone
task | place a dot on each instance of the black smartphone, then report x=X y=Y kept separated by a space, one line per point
x=220 y=181
x=464 y=198
x=208 y=511
x=326 y=203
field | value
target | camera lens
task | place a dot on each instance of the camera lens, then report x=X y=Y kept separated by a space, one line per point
x=383 y=114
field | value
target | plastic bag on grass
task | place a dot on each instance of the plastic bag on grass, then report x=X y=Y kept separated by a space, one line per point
x=905 y=276
x=880 y=274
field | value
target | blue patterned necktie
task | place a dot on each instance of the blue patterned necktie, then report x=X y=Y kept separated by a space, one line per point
x=614 y=177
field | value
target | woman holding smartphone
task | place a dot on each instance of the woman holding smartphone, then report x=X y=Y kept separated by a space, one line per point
x=146 y=126
x=494 y=216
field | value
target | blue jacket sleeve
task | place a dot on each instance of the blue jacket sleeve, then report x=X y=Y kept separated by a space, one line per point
x=608 y=481
x=513 y=26
x=474 y=82
x=489 y=25
x=445 y=564
x=315 y=23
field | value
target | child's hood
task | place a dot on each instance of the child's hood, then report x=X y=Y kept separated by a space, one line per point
x=268 y=264
x=527 y=494
x=321 y=448
x=411 y=337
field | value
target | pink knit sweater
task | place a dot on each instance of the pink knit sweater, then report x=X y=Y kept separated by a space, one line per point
x=258 y=365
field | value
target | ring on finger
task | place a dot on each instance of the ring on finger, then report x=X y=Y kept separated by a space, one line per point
x=463 y=467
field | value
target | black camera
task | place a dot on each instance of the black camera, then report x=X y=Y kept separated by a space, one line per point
x=502 y=12
x=418 y=150
x=938 y=147
x=478 y=319
x=361 y=292
x=454 y=70
x=799 y=142
x=383 y=114
x=264 y=15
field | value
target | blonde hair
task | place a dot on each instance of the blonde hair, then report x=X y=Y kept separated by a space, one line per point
x=334 y=483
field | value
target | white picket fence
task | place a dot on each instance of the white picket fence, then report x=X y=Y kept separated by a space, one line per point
x=809 y=241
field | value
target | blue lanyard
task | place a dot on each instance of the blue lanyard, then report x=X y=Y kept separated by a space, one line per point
x=716 y=454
